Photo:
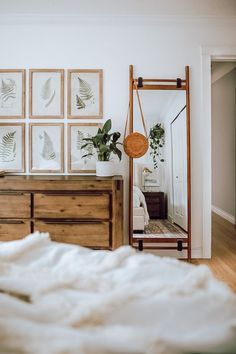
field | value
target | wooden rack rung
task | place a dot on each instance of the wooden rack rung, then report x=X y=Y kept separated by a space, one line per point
x=159 y=80
x=160 y=240
x=161 y=248
x=161 y=87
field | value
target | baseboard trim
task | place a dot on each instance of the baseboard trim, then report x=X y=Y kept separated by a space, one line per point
x=170 y=219
x=223 y=214
x=197 y=253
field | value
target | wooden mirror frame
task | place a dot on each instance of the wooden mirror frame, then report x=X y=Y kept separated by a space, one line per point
x=161 y=84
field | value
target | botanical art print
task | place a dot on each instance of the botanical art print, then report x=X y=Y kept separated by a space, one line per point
x=85 y=93
x=46 y=147
x=12 y=93
x=76 y=134
x=12 y=147
x=46 y=93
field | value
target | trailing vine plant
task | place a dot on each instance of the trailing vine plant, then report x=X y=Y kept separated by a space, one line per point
x=156 y=143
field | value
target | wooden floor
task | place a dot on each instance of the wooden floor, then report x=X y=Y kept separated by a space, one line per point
x=223 y=262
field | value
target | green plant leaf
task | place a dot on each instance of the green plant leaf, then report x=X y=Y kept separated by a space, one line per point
x=88 y=139
x=86 y=155
x=117 y=152
x=115 y=136
x=84 y=146
x=107 y=126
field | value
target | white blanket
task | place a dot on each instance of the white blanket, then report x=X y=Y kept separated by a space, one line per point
x=139 y=200
x=87 y=302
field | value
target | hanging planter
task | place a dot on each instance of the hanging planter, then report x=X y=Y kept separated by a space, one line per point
x=156 y=143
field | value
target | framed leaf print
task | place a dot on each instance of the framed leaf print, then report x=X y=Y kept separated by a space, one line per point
x=46 y=96
x=46 y=147
x=76 y=134
x=12 y=147
x=85 y=93
x=12 y=93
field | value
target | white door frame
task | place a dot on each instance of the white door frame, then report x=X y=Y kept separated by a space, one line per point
x=209 y=53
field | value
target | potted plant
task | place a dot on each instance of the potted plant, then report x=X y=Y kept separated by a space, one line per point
x=105 y=144
x=156 y=142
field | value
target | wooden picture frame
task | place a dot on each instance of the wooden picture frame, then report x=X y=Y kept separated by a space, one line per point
x=12 y=93
x=9 y=147
x=71 y=142
x=46 y=93
x=48 y=157
x=90 y=87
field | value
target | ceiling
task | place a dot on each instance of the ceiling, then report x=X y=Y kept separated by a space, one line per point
x=121 y=7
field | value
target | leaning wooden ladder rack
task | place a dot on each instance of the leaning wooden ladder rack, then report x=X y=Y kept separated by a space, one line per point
x=161 y=84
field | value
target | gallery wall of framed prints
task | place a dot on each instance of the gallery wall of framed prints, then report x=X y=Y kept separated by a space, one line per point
x=43 y=121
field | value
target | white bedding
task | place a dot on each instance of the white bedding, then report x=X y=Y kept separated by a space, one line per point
x=87 y=302
x=139 y=200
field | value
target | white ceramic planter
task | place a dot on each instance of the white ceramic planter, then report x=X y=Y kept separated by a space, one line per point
x=104 y=169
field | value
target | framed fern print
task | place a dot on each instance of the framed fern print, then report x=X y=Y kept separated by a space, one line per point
x=12 y=147
x=85 y=93
x=46 y=96
x=76 y=133
x=12 y=93
x=46 y=148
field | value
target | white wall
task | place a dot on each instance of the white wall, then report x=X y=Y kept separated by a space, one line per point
x=223 y=143
x=161 y=49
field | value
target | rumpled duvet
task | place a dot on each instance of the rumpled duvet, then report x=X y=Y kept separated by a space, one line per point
x=65 y=299
x=139 y=200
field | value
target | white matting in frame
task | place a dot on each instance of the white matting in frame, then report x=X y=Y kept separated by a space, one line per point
x=85 y=93
x=76 y=134
x=12 y=93
x=46 y=147
x=46 y=93
x=12 y=147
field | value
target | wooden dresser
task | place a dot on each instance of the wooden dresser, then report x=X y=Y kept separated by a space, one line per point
x=84 y=210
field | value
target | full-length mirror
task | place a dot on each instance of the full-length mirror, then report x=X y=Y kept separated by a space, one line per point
x=160 y=179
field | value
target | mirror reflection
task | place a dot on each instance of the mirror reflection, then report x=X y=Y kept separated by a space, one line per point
x=160 y=176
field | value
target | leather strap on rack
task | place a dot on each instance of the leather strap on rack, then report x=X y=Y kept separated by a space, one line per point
x=141 y=113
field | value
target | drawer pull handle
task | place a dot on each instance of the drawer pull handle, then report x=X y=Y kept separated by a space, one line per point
x=11 y=222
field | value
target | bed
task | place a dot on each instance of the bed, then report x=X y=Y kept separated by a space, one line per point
x=58 y=298
x=140 y=212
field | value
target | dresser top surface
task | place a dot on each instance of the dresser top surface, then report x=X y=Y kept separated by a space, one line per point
x=46 y=182
x=21 y=178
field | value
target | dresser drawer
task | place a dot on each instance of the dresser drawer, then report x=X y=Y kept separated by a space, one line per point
x=87 y=234
x=153 y=201
x=11 y=230
x=72 y=206
x=15 y=205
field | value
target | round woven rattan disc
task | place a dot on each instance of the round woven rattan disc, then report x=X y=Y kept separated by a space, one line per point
x=135 y=145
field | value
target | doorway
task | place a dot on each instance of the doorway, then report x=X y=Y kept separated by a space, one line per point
x=223 y=126
x=209 y=54
x=223 y=146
